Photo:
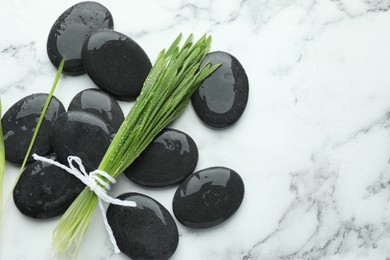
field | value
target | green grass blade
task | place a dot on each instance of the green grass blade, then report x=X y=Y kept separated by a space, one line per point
x=43 y=112
x=174 y=45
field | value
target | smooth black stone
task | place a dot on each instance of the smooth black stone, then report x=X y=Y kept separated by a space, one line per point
x=222 y=97
x=71 y=29
x=168 y=159
x=208 y=197
x=116 y=63
x=45 y=191
x=19 y=123
x=81 y=134
x=147 y=231
x=99 y=103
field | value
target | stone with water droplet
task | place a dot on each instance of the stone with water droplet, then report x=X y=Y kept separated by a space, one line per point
x=116 y=63
x=19 y=124
x=146 y=231
x=81 y=134
x=99 y=103
x=168 y=159
x=71 y=29
x=208 y=197
x=221 y=99
x=45 y=191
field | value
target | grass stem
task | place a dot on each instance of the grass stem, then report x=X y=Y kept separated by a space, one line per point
x=43 y=112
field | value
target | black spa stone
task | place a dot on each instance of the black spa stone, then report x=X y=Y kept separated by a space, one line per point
x=169 y=159
x=81 y=134
x=45 y=191
x=208 y=197
x=222 y=97
x=99 y=103
x=19 y=123
x=71 y=29
x=147 y=231
x=116 y=63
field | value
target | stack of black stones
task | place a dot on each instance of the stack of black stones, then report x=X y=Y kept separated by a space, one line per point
x=83 y=36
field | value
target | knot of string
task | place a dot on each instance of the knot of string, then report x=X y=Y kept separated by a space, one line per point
x=98 y=182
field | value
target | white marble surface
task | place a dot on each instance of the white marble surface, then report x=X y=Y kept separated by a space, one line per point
x=313 y=145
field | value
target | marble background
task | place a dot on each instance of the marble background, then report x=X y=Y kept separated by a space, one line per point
x=312 y=146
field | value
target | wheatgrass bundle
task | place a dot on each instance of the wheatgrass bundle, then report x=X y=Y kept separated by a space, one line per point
x=167 y=89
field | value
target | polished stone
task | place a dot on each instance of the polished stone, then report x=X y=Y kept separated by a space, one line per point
x=81 y=134
x=208 y=197
x=71 y=29
x=20 y=121
x=99 y=103
x=45 y=191
x=222 y=97
x=146 y=231
x=116 y=63
x=168 y=159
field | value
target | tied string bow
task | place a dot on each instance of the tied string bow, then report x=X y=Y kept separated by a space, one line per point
x=94 y=180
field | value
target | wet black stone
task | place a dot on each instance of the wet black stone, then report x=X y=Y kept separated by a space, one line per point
x=81 y=134
x=222 y=97
x=116 y=63
x=147 y=231
x=71 y=29
x=19 y=123
x=45 y=191
x=99 y=103
x=208 y=197
x=169 y=159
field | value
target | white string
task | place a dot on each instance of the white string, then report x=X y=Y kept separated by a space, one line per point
x=92 y=180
